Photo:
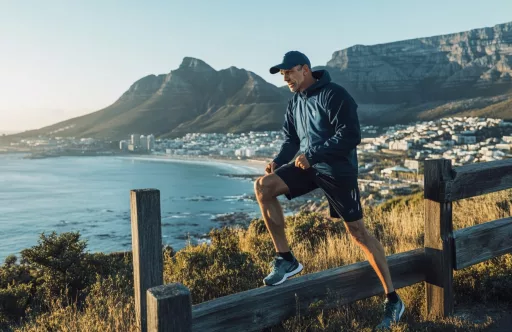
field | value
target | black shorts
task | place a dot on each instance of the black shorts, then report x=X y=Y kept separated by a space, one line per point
x=342 y=195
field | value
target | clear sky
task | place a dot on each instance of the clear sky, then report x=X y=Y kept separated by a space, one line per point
x=60 y=59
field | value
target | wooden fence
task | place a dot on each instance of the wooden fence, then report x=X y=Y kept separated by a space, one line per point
x=169 y=308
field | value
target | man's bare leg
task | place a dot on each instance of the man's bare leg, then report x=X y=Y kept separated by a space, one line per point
x=373 y=251
x=267 y=188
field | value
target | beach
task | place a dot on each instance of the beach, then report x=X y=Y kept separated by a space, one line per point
x=241 y=166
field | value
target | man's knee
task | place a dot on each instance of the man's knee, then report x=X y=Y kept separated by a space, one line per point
x=358 y=231
x=264 y=188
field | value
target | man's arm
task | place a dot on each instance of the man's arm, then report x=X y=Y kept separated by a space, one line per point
x=291 y=142
x=342 y=110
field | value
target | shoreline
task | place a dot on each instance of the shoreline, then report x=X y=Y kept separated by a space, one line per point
x=250 y=166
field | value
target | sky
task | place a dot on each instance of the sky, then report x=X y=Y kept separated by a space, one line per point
x=61 y=59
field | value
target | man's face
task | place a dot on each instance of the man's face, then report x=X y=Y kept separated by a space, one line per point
x=294 y=77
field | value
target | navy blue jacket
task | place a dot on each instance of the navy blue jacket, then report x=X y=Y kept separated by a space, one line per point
x=322 y=122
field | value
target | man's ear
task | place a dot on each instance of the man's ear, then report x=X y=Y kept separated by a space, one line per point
x=305 y=69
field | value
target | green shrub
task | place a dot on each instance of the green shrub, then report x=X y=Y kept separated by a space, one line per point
x=11 y=273
x=404 y=201
x=14 y=300
x=311 y=227
x=60 y=264
x=56 y=268
x=215 y=270
x=258 y=243
x=489 y=281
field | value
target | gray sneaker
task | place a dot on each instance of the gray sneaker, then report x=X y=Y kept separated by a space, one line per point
x=281 y=270
x=392 y=313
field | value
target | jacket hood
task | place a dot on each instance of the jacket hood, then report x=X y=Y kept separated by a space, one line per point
x=323 y=78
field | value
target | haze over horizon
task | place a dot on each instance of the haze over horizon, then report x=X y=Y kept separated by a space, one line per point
x=62 y=60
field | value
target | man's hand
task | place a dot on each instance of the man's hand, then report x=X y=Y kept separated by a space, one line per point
x=302 y=162
x=271 y=167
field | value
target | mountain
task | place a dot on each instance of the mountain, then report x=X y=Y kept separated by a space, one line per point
x=400 y=81
x=194 y=97
x=419 y=79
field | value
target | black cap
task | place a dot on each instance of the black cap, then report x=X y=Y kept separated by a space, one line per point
x=290 y=60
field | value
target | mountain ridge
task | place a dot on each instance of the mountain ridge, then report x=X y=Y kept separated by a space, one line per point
x=394 y=82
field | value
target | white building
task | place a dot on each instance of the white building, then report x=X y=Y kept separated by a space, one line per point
x=505 y=147
x=135 y=140
x=399 y=145
x=412 y=164
x=150 y=142
x=87 y=141
x=389 y=171
x=249 y=152
x=143 y=142
x=464 y=139
x=123 y=145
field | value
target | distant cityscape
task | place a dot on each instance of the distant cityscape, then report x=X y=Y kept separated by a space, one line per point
x=138 y=143
x=462 y=140
x=391 y=159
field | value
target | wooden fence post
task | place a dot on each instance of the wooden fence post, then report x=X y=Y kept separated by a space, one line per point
x=169 y=308
x=438 y=238
x=146 y=247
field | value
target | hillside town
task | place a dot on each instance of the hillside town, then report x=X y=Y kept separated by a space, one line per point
x=391 y=158
x=461 y=140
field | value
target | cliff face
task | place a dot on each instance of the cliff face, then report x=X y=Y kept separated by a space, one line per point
x=469 y=64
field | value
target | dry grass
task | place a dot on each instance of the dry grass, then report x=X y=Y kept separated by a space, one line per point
x=105 y=309
x=320 y=244
x=400 y=227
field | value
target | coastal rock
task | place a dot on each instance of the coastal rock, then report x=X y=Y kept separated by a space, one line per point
x=201 y=198
x=233 y=218
x=191 y=235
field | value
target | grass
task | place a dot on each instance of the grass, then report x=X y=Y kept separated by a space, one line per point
x=238 y=259
x=106 y=308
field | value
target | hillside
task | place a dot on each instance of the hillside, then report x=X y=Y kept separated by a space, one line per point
x=192 y=97
x=389 y=114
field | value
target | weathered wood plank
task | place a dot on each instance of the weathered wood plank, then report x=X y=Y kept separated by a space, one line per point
x=480 y=178
x=169 y=308
x=258 y=308
x=438 y=241
x=482 y=242
x=146 y=247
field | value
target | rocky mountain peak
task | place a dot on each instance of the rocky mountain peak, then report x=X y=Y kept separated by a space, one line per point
x=196 y=65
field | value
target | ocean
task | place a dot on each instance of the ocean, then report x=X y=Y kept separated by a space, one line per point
x=92 y=195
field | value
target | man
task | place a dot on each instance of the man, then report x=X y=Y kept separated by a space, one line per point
x=321 y=121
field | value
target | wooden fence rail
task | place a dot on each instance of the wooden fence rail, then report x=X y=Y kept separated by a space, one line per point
x=169 y=307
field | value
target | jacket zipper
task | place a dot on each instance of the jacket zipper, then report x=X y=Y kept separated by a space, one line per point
x=306 y=121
